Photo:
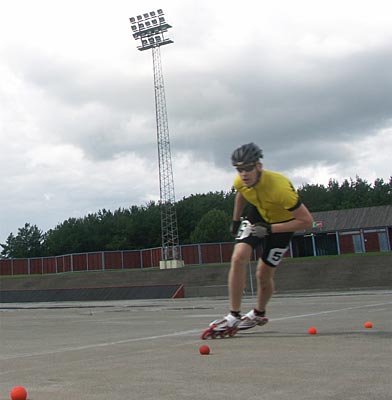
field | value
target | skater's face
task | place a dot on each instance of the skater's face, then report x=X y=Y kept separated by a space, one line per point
x=250 y=173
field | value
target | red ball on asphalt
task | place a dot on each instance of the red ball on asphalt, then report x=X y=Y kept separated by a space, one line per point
x=312 y=330
x=18 y=393
x=204 y=349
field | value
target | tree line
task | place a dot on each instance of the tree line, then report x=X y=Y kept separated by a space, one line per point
x=202 y=218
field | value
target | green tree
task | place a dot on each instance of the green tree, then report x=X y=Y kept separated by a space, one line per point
x=213 y=227
x=190 y=210
x=349 y=194
x=146 y=227
x=315 y=197
x=382 y=192
x=29 y=242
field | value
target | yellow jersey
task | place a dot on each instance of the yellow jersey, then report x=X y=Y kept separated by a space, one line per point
x=274 y=196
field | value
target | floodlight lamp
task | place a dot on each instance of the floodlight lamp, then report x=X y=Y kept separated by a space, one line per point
x=134 y=28
x=155 y=22
x=144 y=42
x=151 y=40
x=145 y=15
x=141 y=26
x=152 y=13
x=139 y=17
x=161 y=20
x=133 y=20
x=148 y=24
x=160 y=12
x=158 y=39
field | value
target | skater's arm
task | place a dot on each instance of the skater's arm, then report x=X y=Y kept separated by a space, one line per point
x=302 y=220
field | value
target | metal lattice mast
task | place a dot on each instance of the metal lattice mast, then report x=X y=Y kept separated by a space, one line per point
x=166 y=182
x=150 y=29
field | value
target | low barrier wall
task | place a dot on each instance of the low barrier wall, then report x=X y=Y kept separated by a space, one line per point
x=93 y=294
x=321 y=273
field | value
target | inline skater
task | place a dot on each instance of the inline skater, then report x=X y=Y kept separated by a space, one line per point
x=275 y=213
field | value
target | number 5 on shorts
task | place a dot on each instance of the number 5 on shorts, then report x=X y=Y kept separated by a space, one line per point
x=275 y=255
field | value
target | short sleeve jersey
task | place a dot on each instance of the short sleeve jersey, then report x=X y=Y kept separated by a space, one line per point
x=274 y=196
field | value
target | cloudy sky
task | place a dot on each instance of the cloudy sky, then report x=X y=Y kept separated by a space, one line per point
x=310 y=81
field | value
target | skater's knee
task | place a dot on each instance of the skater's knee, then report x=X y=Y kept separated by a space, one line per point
x=241 y=255
x=264 y=281
x=238 y=259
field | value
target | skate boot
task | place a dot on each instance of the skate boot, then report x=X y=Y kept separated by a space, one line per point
x=251 y=319
x=227 y=326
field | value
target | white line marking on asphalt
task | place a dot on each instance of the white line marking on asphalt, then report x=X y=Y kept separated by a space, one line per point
x=168 y=335
x=330 y=311
x=97 y=345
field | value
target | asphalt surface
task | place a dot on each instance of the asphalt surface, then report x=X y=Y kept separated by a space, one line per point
x=149 y=349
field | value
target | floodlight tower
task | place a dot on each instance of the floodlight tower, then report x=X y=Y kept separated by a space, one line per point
x=150 y=29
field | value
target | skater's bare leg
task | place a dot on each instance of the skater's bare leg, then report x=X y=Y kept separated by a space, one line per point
x=265 y=284
x=237 y=275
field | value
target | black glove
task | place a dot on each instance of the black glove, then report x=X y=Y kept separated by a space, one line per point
x=261 y=229
x=234 y=226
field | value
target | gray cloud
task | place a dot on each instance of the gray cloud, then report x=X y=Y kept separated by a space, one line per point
x=336 y=101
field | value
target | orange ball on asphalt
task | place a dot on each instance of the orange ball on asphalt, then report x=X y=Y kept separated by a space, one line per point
x=368 y=324
x=18 y=393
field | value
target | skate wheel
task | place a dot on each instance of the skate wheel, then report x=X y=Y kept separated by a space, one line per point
x=206 y=334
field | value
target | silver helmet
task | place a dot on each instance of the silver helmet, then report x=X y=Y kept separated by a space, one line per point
x=246 y=154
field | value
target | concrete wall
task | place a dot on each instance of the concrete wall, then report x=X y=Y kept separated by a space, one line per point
x=321 y=273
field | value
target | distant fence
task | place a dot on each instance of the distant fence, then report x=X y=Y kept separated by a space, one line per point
x=115 y=260
x=314 y=244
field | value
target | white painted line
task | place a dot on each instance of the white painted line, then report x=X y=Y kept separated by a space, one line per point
x=330 y=311
x=180 y=333
x=97 y=345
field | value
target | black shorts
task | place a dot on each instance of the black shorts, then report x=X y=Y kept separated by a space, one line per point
x=274 y=246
